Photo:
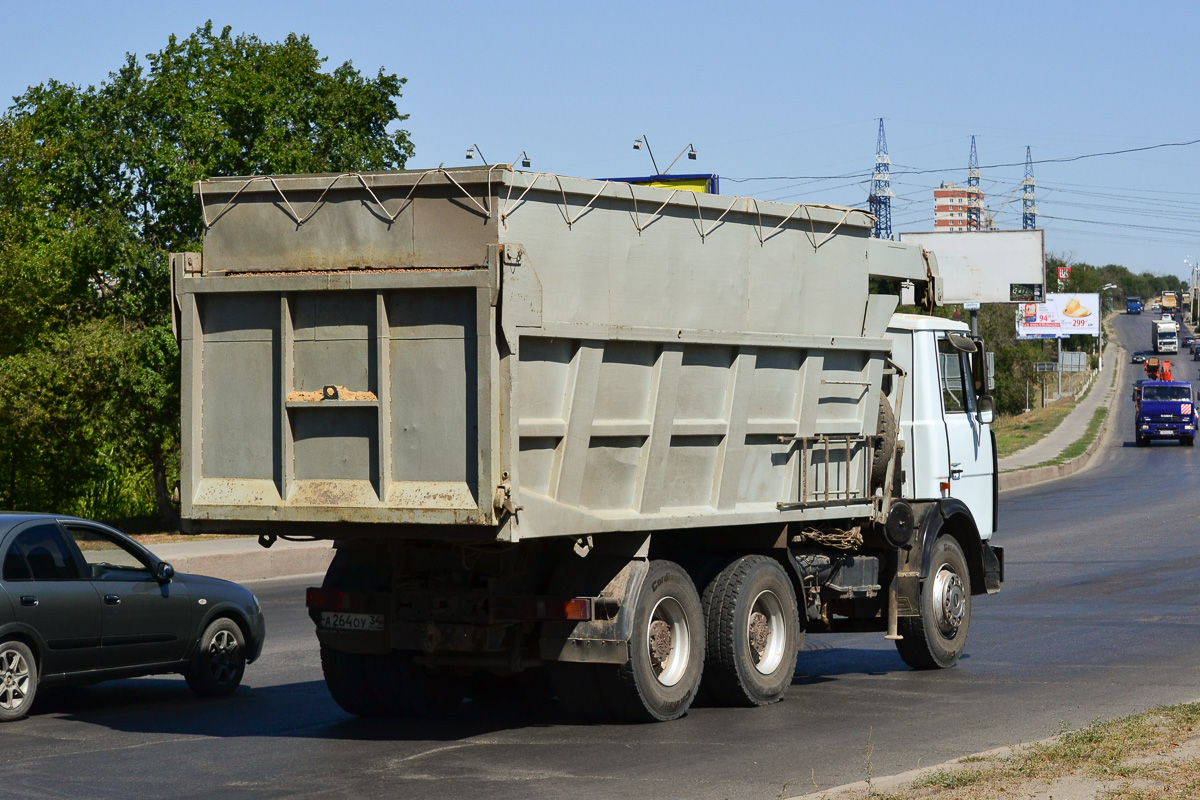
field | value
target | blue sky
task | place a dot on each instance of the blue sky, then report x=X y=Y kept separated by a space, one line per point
x=793 y=90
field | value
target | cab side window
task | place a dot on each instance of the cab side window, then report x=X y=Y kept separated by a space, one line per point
x=958 y=395
x=39 y=553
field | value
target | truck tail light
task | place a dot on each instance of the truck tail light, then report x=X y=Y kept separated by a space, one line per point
x=542 y=608
x=335 y=600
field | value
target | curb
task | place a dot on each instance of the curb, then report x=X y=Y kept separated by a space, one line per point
x=1021 y=478
x=863 y=790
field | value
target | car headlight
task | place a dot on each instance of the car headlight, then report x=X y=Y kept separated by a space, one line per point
x=254 y=603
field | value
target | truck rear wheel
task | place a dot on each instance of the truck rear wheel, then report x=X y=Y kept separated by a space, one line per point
x=403 y=688
x=346 y=679
x=666 y=651
x=753 y=633
x=578 y=689
x=936 y=638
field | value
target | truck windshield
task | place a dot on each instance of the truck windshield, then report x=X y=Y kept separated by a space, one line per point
x=1166 y=393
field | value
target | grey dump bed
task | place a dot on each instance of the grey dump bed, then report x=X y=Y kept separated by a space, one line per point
x=495 y=354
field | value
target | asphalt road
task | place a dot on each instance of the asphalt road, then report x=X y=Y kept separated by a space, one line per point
x=1099 y=617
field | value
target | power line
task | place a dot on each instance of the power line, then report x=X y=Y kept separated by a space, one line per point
x=1157 y=228
x=1064 y=160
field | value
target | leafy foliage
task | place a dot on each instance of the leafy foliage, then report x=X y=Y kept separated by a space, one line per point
x=95 y=190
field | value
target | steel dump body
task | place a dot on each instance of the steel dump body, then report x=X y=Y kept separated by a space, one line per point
x=515 y=355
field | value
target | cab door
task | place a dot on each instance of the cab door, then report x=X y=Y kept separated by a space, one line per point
x=969 y=469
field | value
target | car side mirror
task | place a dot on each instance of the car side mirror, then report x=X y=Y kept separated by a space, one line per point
x=164 y=572
x=987 y=409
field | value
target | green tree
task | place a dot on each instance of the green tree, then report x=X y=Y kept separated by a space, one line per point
x=95 y=190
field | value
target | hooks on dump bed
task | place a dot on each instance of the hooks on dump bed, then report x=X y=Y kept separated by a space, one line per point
x=510 y=206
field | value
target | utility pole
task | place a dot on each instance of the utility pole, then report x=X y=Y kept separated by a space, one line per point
x=974 y=193
x=1028 y=186
x=881 y=188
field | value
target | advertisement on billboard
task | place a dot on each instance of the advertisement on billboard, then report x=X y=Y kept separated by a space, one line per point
x=1061 y=315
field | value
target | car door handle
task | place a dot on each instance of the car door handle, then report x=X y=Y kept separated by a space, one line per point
x=29 y=600
x=955 y=470
x=112 y=599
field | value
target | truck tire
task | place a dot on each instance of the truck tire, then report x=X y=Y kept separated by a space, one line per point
x=666 y=651
x=885 y=445
x=752 y=632
x=936 y=638
x=578 y=689
x=403 y=688
x=346 y=678
x=18 y=680
x=1142 y=441
x=1187 y=441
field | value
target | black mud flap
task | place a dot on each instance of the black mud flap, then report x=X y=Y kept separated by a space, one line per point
x=993 y=567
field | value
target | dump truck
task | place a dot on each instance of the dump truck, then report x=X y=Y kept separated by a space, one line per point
x=620 y=440
x=1164 y=335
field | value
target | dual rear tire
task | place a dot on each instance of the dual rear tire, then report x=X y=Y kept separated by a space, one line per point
x=389 y=685
x=661 y=676
x=754 y=633
x=739 y=641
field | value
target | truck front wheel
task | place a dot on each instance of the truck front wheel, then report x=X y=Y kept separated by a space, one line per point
x=753 y=633
x=936 y=638
x=1187 y=441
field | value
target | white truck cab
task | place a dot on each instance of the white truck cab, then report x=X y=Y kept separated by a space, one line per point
x=949 y=447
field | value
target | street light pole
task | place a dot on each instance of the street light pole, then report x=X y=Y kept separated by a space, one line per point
x=1192 y=294
x=1106 y=287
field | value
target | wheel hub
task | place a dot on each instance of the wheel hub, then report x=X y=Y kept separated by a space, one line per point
x=765 y=632
x=668 y=641
x=660 y=641
x=949 y=601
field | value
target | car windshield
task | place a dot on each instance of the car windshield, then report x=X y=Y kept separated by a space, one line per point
x=1166 y=393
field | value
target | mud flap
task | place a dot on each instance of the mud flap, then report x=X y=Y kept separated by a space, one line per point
x=605 y=638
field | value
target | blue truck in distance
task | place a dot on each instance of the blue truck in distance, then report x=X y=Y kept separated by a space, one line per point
x=1133 y=305
x=1165 y=410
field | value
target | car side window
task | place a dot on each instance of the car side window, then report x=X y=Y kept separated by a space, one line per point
x=108 y=557
x=45 y=553
x=15 y=567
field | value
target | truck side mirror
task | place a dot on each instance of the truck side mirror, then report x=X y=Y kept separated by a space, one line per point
x=987 y=409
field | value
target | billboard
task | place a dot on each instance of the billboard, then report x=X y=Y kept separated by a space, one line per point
x=701 y=184
x=987 y=266
x=1062 y=315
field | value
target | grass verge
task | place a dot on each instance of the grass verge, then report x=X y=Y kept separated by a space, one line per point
x=1015 y=433
x=1081 y=444
x=1147 y=756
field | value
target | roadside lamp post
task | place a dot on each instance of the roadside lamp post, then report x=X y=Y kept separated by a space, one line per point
x=1193 y=288
x=1106 y=287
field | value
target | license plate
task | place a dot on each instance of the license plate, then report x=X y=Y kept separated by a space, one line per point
x=340 y=621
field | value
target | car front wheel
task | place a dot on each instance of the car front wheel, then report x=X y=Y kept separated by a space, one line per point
x=220 y=660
